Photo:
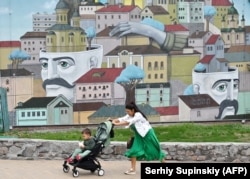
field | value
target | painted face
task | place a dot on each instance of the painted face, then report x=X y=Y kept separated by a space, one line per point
x=61 y=69
x=223 y=87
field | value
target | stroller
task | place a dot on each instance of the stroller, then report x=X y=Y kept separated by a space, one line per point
x=102 y=137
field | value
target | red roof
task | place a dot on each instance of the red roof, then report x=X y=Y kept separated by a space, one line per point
x=206 y=59
x=221 y=3
x=175 y=27
x=213 y=39
x=116 y=8
x=10 y=44
x=96 y=75
x=170 y=110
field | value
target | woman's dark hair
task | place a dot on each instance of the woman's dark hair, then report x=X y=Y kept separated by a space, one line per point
x=133 y=106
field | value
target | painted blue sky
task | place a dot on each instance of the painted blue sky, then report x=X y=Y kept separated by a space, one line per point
x=16 y=15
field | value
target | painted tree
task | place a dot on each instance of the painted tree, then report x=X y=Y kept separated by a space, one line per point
x=128 y=78
x=209 y=12
x=91 y=33
x=17 y=57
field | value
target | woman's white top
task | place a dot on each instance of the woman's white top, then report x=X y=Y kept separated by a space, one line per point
x=141 y=124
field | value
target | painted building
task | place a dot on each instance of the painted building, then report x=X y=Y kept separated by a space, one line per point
x=197 y=108
x=233 y=33
x=190 y=11
x=181 y=63
x=154 y=94
x=110 y=15
x=83 y=110
x=42 y=21
x=98 y=85
x=87 y=13
x=14 y=81
x=44 y=111
x=149 y=58
x=222 y=7
x=6 y=47
x=198 y=39
x=62 y=37
x=157 y=13
x=168 y=114
x=32 y=43
x=115 y=111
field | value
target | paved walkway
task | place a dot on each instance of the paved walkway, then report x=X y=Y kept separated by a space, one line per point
x=53 y=169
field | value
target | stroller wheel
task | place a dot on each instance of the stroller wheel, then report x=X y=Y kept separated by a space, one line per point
x=101 y=172
x=75 y=173
x=66 y=168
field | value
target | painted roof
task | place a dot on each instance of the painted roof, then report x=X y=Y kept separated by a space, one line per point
x=239 y=48
x=34 y=35
x=97 y=75
x=36 y=102
x=206 y=59
x=88 y=106
x=119 y=110
x=213 y=39
x=136 y=49
x=10 y=44
x=16 y=72
x=198 y=101
x=175 y=27
x=116 y=8
x=156 y=10
x=221 y=3
x=198 y=34
x=170 y=110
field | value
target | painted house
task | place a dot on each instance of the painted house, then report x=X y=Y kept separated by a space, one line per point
x=151 y=59
x=44 y=111
x=83 y=110
x=110 y=15
x=6 y=47
x=157 y=13
x=18 y=84
x=115 y=111
x=98 y=85
x=168 y=114
x=199 y=107
x=154 y=94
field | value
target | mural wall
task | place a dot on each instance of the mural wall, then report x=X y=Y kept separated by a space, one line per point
x=195 y=49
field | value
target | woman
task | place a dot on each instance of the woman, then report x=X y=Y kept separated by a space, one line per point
x=146 y=145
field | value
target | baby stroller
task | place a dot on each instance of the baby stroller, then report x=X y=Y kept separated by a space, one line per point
x=102 y=137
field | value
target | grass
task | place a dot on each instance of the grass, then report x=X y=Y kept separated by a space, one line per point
x=169 y=133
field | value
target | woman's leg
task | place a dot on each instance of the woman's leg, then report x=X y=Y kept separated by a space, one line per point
x=133 y=163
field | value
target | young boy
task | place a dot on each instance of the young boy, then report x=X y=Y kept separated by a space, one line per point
x=84 y=147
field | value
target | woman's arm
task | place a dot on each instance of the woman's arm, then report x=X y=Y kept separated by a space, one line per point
x=117 y=122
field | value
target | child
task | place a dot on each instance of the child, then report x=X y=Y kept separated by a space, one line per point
x=84 y=147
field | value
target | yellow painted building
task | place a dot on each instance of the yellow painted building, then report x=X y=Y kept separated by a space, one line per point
x=6 y=47
x=157 y=13
x=222 y=8
x=61 y=36
x=181 y=64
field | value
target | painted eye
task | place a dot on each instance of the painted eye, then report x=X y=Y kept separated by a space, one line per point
x=64 y=64
x=236 y=85
x=221 y=87
x=44 y=65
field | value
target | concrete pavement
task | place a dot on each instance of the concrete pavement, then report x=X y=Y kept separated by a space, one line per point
x=53 y=169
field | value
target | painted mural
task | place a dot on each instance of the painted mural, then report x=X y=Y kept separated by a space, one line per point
x=195 y=56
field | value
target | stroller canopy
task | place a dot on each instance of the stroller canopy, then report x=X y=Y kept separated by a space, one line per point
x=103 y=132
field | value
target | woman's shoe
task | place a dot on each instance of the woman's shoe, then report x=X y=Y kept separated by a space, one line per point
x=130 y=172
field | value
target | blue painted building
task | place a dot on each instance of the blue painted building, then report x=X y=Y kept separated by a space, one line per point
x=44 y=111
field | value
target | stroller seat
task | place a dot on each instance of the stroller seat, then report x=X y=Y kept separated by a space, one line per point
x=90 y=162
